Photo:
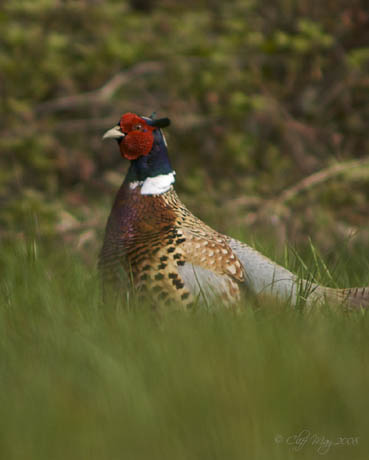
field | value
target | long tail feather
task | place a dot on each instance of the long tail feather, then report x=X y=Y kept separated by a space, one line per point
x=353 y=297
x=263 y=276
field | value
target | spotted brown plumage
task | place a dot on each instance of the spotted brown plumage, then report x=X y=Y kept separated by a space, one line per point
x=155 y=244
x=153 y=236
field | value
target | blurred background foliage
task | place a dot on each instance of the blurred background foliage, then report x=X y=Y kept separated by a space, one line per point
x=269 y=102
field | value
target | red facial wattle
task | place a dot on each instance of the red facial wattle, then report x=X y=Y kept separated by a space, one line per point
x=138 y=139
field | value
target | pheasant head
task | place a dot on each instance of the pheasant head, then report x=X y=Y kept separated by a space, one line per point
x=135 y=134
x=141 y=141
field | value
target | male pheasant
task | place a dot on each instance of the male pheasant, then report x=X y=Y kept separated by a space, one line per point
x=161 y=247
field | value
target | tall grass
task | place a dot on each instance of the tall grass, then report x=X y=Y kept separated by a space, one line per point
x=80 y=379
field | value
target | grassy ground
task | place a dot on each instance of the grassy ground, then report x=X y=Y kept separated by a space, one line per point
x=82 y=380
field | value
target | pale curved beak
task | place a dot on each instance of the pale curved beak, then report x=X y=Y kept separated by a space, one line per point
x=113 y=133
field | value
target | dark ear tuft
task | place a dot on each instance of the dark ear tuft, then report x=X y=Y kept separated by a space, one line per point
x=160 y=123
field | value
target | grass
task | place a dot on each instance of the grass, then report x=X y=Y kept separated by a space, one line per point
x=79 y=379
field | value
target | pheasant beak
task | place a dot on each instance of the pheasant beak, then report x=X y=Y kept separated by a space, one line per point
x=114 y=133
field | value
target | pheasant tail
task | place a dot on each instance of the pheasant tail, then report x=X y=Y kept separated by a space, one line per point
x=263 y=276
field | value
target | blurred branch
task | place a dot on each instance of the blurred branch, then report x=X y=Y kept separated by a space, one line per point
x=317 y=178
x=90 y=124
x=275 y=206
x=86 y=124
x=102 y=94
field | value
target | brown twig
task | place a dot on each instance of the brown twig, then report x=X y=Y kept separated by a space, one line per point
x=102 y=94
x=273 y=207
x=93 y=124
x=317 y=178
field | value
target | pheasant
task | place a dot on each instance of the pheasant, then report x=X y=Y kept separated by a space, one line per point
x=163 y=250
